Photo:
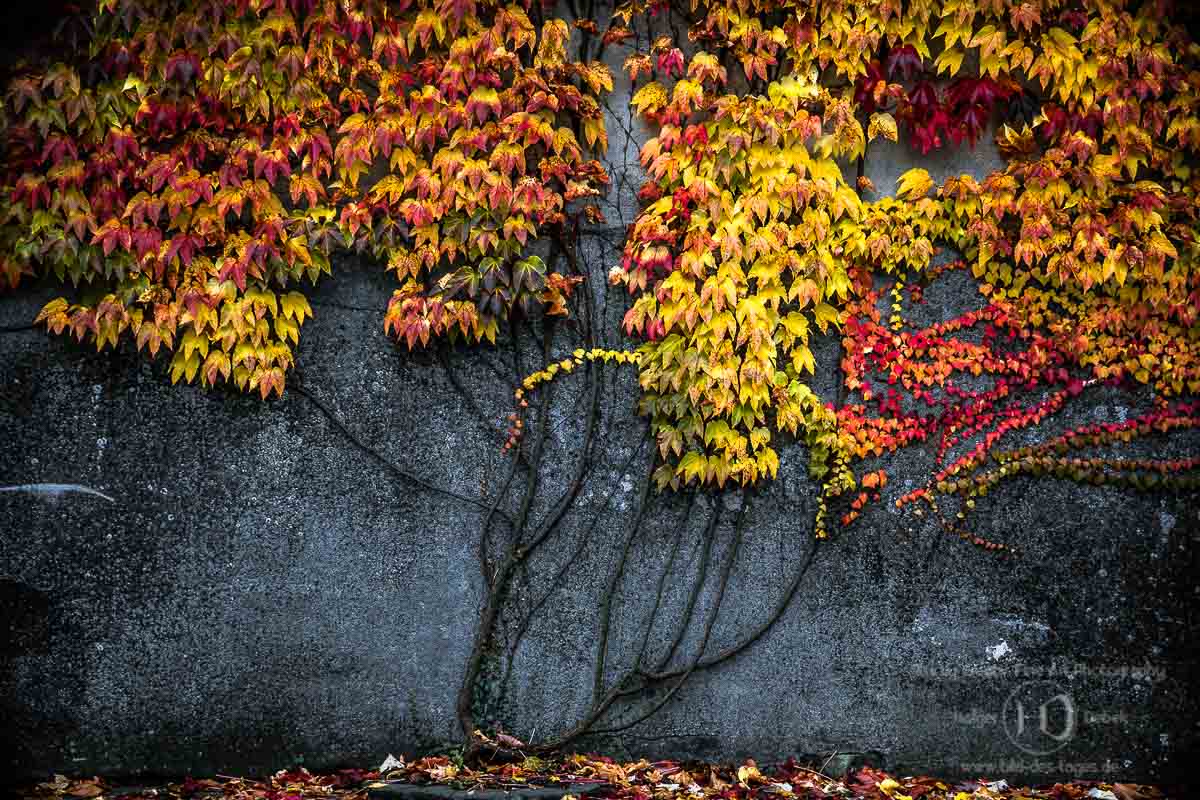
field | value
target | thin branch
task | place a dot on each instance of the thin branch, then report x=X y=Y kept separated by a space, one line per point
x=739 y=530
x=416 y=480
x=583 y=466
x=662 y=581
x=484 y=555
x=619 y=688
x=469 y=399
x=614 y=580
x=697 y=585
x=555 y=515
x=556 y=582
x=491 y=609
x=757 y=633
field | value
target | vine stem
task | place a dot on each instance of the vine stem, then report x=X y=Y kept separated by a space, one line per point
x=499 y=584
x=587 y=725
x=560 y=575
x=697 y=587
x=739 y=530
x=416 y=480
x=613 y=582
x=467 y=398
x=758 y=632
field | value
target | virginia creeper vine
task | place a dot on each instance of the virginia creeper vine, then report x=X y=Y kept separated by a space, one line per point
x=192 y=162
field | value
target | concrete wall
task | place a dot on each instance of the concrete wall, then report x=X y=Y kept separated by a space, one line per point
x=253 y=589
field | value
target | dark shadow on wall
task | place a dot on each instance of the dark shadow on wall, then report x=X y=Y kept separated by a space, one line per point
x=24 y=621
x=26 y=632
x=24 y=26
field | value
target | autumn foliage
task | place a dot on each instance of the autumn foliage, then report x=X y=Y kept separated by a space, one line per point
x=189 y=170
x=197 y=162
x=1084 y=245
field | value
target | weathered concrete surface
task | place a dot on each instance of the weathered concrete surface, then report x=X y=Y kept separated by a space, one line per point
x=260 y=591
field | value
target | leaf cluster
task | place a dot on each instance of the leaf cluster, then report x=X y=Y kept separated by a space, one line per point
x=1084 y=244
x=199 y=160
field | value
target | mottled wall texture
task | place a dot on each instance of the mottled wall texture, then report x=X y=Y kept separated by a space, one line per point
x=195 y=581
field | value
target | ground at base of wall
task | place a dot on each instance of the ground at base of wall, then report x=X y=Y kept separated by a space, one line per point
x=589 y=777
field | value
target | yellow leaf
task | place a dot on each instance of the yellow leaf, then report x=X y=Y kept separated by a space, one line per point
x=650 y=98
x=825 y=315
x=882 y=124
x=914 y=184
x=56 y=306
x=184 y=366
x=950 y=60
x=295 y=305
x=889 y=786
x=988 y=40
x=1160 y=244
x=802 y=358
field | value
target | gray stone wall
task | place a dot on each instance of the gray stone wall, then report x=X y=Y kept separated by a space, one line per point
x=198 y=581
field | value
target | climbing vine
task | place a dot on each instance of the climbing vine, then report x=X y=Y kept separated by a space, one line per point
x=194 y=162
x=1084 y=244
x=200 y=159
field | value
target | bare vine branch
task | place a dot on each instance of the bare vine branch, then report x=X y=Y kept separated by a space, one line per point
x=415 y=480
